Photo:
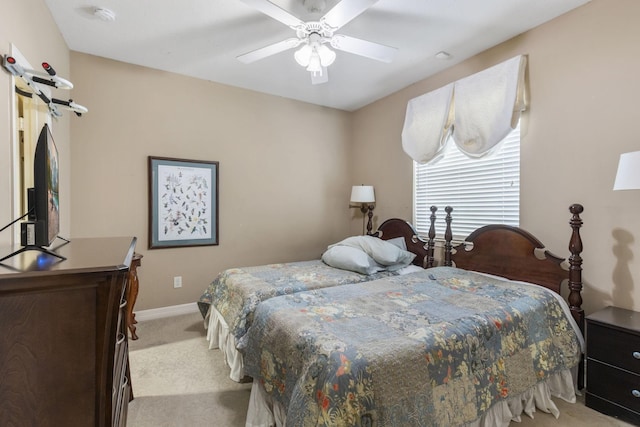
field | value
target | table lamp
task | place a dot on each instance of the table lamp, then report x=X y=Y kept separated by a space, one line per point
x=363 y=196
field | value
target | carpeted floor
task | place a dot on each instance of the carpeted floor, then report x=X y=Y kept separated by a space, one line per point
x=178 y=382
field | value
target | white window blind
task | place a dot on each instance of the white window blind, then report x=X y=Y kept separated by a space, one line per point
x=481 y=191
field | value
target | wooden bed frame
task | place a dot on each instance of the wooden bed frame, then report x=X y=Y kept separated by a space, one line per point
x=505 y=251
x=514 y=253
x=501 y=250
x=424 y=250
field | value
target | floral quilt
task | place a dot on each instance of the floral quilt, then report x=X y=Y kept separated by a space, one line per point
x=236 y=292
x=431 y=348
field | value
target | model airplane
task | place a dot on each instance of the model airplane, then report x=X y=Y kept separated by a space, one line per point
x=34 y=79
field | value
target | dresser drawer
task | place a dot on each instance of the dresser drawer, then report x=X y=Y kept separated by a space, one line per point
x=120 y=381
x=120 y=362
x=613 y=384
x=613 y=346
x=122 y=312
x=121 y=404
x=612 y=409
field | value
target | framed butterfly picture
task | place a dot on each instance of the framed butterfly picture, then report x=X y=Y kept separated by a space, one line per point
x=183 y=202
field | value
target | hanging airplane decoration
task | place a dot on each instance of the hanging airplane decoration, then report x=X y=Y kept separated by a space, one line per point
x=314 y=55
x=34 y=79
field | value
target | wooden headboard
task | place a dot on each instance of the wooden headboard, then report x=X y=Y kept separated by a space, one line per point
x=514 y=253
x=394 y=227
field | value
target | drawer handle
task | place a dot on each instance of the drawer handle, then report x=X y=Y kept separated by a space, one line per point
x=635 y=393
x=636 y=354
x=121 y=338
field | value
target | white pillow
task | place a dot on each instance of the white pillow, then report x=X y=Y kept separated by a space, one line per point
x=399 y=242
x=350 y=258
x=381 y=251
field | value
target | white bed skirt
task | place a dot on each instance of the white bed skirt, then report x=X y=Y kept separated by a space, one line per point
x=218 y=337
x=263 y=412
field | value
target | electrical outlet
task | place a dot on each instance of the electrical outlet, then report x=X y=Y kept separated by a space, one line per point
x=177 y=282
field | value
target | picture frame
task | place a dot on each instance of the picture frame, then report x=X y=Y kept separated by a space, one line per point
x=183 y=202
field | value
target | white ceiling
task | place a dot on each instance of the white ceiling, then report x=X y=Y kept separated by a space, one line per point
x=202 y=38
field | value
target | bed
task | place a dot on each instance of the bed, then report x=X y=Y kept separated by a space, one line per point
x=229 y=302
x=476 y=342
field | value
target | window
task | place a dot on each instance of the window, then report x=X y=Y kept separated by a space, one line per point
x=480 y=191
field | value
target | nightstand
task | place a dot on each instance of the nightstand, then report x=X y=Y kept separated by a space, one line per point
x=613 y=363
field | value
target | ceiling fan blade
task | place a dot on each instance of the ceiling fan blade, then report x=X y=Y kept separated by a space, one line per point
x=275 y=11
x=364 y=48
x=319 y=78
x=345 y=11
x=272 y=49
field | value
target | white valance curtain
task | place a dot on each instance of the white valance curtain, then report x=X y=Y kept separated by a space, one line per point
x=427 y=124
x=478 y=111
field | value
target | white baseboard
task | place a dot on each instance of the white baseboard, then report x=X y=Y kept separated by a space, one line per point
x=173 y=310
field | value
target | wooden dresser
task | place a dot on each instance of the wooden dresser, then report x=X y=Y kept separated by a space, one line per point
x=63 y=338
x=613 y=363
x=132 y=294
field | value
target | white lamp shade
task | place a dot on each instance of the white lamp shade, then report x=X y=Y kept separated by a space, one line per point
x=628 y=176
x=303 y=55
x=314 y=63
x=362 y=194
x=327 y=56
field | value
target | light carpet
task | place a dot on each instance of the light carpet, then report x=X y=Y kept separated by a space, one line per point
x=178 y=382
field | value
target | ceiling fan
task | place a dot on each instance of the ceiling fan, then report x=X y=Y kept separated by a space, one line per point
x=314 y=55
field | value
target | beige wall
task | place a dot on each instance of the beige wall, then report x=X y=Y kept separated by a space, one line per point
x=284 y=175
x=27 y=25
x=584 y=86
x=286 y=167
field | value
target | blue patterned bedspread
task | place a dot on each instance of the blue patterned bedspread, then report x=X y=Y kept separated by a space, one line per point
x=236 y=292
x=433 y=348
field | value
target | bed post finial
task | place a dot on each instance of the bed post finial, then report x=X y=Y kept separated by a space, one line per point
x=432 y=235
x=448 y=237
x=575 y=266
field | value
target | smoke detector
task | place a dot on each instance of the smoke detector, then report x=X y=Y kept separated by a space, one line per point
x=104 y=14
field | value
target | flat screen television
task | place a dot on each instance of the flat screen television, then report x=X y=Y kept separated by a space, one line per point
x=44 y=202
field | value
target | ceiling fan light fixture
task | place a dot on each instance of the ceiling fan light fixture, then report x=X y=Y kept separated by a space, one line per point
x=327 y=56
x=315 y=63
x=314 y=56
x=303 y=55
